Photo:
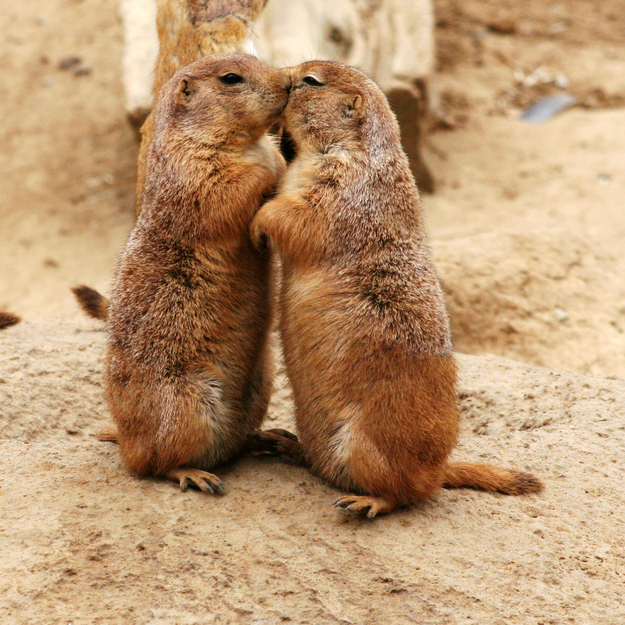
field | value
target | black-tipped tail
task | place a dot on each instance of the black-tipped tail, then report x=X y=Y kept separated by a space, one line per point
x=8 y=319
x=94 y=304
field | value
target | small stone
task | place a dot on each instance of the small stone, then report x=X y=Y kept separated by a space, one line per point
x=561 y=80
x=68 y=62
x=561 y=314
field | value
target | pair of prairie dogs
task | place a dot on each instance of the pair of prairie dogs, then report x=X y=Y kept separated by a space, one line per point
x=363 y=322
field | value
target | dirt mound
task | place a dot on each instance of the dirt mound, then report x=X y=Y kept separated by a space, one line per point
x=85 y=542
x=533 y=296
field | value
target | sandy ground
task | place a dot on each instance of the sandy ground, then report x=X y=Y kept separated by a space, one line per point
x=527 y=228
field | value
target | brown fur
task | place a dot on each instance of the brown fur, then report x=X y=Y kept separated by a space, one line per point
x=187 y=370
x=363 y=321
x=187 y=31
x=92 y=303
x=8 y=319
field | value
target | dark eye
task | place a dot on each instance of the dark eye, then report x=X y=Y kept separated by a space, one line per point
x=312 y=81
x=231 y=78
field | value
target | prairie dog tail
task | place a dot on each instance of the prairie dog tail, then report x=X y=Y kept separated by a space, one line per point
x=8 y=319
x=491 y=478
x=108 y=435
x=94 y=304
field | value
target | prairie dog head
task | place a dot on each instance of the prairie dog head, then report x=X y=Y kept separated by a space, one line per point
x=333 y=105
x=221 y=101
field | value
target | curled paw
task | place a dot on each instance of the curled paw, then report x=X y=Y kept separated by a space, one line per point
x=259 y=239
x=371 y=506
x=276 y=442
x=204 y=481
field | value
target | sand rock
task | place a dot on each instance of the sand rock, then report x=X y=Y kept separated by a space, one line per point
x=82 y=537
x=533 y=296
x=51 y=380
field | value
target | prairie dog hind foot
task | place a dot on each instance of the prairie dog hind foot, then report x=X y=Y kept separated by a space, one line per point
x=365 y=505
x=204 y=481
x=276 y=442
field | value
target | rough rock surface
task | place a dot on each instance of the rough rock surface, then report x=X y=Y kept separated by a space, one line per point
x=532 y=295
x=527 y=227
x=83 y=541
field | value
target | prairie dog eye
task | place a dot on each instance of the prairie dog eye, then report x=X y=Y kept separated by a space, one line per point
x=312 y=81
x=231 y=78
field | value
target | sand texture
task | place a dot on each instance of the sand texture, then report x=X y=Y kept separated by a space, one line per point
x=527 y=229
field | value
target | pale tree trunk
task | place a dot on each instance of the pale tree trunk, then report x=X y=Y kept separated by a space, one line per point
x=387 y=39
x=390 y=40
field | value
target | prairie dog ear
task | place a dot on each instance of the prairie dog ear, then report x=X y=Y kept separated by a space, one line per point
x=357 y=102
x=186 y=89
x=352 y=107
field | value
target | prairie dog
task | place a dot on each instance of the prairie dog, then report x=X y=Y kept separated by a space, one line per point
x=187 y=31
x=363 y=320
x=187 y=368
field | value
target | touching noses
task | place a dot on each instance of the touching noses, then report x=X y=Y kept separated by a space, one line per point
x=286 y=80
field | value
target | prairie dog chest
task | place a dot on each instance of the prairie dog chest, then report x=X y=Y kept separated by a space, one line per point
x=265 y=154
x=309 y=293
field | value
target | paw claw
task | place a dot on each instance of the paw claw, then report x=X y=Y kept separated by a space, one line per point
x=284 y=434
x=276 y=442
x=204 y=486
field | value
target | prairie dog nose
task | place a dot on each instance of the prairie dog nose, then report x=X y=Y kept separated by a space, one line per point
x=286 y=80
